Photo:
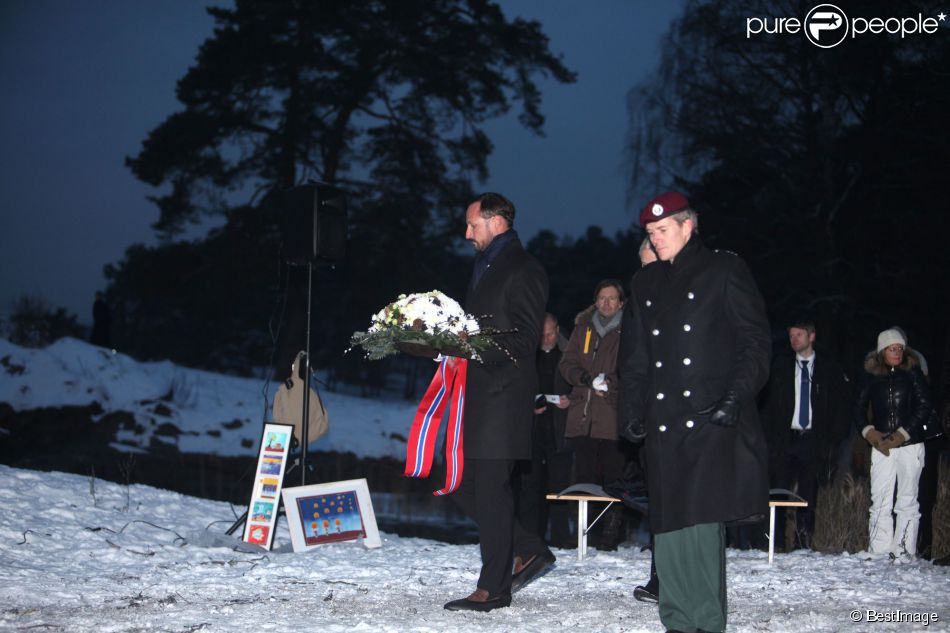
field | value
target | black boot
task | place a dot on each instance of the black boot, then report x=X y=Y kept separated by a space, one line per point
x=614 y=530
x=649 y=592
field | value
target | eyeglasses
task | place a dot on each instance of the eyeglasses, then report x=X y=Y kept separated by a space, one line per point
x=894 y=349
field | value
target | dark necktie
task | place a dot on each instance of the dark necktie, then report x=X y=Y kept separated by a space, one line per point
x=804 y=397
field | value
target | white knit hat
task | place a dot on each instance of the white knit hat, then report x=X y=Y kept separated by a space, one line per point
x=889 y=337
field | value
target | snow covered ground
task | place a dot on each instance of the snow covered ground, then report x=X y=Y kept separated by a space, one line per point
x=217 y=414
x=86 y=555
x=78 y=554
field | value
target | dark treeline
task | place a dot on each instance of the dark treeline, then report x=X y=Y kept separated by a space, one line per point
x=384 y=99
x=824 y=168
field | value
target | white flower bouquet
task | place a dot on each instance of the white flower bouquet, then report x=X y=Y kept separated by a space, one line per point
x=424 y=324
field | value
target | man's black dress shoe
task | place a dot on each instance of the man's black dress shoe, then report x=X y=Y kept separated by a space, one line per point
x=483 y=602
x=536 y=566
x=643 y=594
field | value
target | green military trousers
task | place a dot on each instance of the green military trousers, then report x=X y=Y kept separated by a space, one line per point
x=691 y=564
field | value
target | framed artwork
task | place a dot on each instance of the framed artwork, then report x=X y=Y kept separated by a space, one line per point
x=330 y=513
x=265 y=494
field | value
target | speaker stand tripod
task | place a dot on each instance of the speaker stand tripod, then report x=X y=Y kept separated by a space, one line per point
x=301 y=461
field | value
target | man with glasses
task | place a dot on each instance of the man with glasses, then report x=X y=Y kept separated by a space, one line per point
x=589 y=365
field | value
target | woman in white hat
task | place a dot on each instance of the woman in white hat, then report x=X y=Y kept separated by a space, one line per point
x=892 y=408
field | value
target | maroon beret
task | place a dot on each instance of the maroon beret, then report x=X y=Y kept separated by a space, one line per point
x=663 y=206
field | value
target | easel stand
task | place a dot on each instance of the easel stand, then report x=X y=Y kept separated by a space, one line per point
x=241 y=520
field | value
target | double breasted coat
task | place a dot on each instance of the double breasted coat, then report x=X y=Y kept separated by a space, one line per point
x=499 y=403
x=695 y=329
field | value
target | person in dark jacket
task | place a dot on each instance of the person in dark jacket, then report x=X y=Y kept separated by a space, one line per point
x=806 y=417
x=699 y=351
x=551 y=459
x=510 y=288
x=891 y=410
x=101 y=322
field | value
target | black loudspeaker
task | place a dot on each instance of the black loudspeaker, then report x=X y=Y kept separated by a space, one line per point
x=314 y=229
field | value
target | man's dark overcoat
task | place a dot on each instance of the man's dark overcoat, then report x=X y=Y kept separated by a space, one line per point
x=830 y=397
x=699 y=329
x=499 y=404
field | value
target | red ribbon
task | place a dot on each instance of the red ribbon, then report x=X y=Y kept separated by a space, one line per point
x=448 y=379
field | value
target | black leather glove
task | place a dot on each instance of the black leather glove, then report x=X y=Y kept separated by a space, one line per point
x=725 y=413
x=586 y=379
x=634 y=431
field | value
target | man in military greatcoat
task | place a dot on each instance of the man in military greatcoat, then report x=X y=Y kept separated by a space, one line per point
x=694 y=359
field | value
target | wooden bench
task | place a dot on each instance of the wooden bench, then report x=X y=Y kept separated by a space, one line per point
x=792 y=501
x=582 y=527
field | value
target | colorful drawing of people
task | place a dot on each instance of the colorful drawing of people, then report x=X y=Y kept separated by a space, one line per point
x=336 y=516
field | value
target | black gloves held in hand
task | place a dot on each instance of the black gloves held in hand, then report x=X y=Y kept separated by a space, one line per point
x=586 y=379
x=725 y=413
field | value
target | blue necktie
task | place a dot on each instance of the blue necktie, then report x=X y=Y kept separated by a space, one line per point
x=803 y=397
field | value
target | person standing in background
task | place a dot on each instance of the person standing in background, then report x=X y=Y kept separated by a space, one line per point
x=589 y=366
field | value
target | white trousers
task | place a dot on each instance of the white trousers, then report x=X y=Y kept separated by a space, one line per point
x=903 y=467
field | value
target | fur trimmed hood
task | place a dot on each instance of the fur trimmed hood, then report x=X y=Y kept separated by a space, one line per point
x=584 y=316
x=874 y=362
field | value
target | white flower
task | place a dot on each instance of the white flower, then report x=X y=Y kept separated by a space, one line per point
x=435 y=311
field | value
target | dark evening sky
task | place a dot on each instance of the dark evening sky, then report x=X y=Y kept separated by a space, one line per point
x=84 y=82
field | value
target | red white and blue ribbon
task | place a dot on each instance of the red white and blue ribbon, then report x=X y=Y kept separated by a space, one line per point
x=447 y=388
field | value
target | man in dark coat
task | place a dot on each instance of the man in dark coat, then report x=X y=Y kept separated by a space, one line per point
x=805 y=429
x=510 y=289
x=694 y=359
x=551 y=458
